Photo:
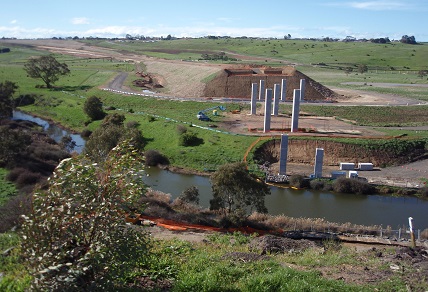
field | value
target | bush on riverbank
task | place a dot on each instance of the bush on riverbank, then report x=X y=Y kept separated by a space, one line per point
x=352 y=186
x=154 y=158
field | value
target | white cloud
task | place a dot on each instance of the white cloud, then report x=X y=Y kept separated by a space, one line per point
x=80 y=20
x=14 y=21
x=20 y=32
x=377 y=5
x=227 y=19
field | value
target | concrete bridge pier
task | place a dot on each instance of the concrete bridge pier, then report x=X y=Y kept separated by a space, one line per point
x=268 y=106
x=296 y=109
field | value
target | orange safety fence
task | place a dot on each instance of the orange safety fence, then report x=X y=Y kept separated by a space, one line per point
x=181 y=226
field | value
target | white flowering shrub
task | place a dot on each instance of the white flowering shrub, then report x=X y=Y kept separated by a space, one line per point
x=76 y=237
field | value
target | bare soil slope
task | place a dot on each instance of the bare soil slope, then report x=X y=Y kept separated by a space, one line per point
x=236 y=82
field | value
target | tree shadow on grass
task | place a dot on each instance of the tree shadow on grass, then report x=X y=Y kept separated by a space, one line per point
x=72 y=88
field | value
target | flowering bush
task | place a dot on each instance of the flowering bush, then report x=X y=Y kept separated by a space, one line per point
x=75 y=237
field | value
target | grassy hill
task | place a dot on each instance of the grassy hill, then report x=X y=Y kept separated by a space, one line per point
x=303 y=52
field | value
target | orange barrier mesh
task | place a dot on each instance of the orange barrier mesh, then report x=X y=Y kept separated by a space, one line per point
x=180 y=226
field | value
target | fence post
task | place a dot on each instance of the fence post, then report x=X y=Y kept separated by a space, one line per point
x=399 y=233
x=381 y=233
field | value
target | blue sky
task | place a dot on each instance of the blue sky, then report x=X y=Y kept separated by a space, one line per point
x=195 y=18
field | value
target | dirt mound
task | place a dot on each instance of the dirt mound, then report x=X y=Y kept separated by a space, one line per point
x=414 y=255
x=270 y=244
x=236 y=82
x=146 y=81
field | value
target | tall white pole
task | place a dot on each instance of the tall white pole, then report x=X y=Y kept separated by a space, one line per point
x=412 y=235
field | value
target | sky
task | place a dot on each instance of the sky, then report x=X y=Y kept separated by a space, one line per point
x=197 y=18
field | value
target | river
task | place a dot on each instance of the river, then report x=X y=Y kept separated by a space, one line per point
x=341 y=208
x=52 y=130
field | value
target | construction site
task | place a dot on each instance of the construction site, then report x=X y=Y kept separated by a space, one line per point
x=235 y=82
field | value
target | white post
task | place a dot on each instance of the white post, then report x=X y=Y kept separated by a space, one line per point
x=412 y=235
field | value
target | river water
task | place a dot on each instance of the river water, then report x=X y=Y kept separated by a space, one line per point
x=341 y=208
x=52 y=130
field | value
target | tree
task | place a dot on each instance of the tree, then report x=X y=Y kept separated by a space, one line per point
x=76 y=238
x=113 y=120
x=190 y=195
x=408 y=39
x=7 y=89
x=422 y=73
x=362 y=68
x=348 y=70
x=93 y=107
x=47 y=68
x=235 y=191
x=12 y=142
x=111 y=132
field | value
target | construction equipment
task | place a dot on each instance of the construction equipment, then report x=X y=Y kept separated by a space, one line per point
x=203 y=117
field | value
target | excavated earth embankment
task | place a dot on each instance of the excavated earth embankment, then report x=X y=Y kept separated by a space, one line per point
x=303 y=151
x=236 y=82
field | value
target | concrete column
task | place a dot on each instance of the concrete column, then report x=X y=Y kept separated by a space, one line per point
x=262 y=90
x=296 y=109
x=283 y=89
x=283 y=155
x=302 y=89
x=254 y=89
x=276 y=93
x=319 y=156
x=268 y=105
